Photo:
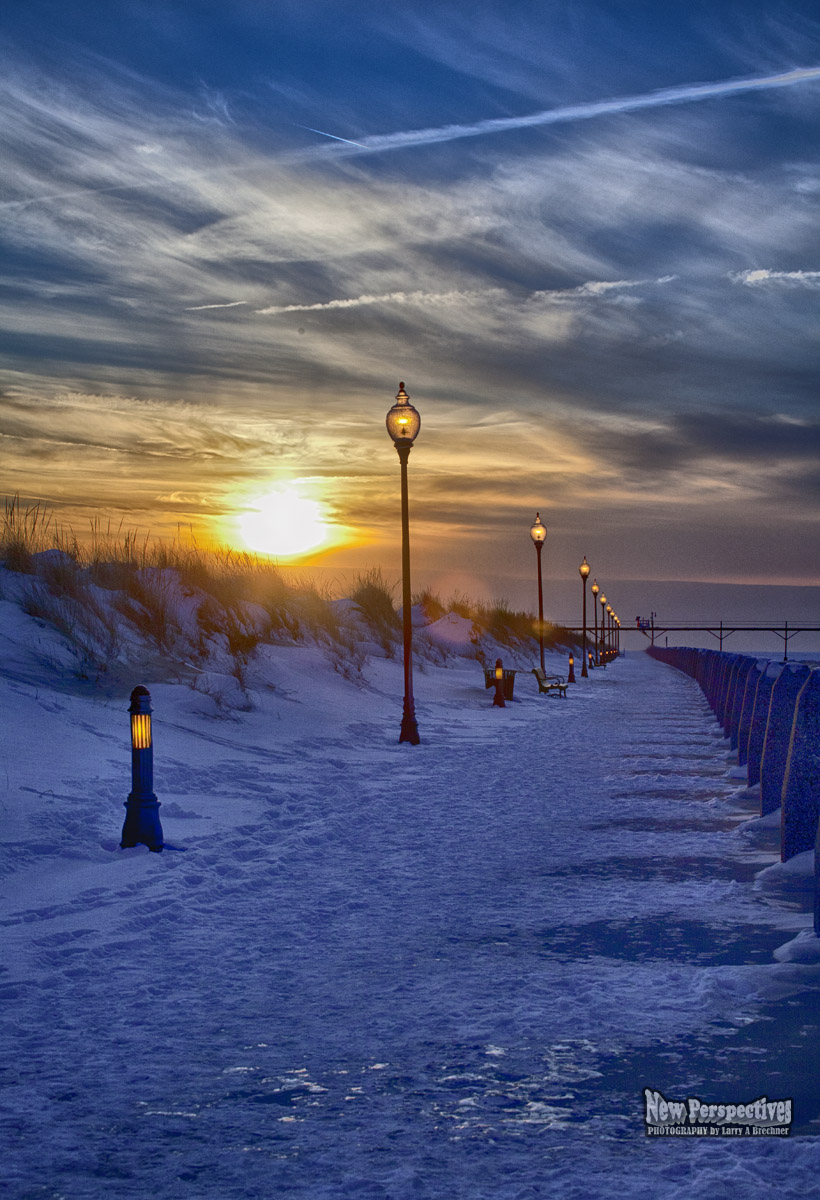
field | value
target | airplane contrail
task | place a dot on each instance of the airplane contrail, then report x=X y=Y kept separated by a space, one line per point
x=200 y=307
x=322 y=133
x=684 y=94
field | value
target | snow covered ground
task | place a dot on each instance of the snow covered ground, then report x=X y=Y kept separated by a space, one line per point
x=383 y=971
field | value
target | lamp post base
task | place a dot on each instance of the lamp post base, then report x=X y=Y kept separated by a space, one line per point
x=142 y=826
x=409 y=730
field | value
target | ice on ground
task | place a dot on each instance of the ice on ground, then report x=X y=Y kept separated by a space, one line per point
x=796 y=872
x=756 y=824
x=805 y=948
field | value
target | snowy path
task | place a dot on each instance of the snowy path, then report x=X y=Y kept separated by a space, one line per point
x=383 y=971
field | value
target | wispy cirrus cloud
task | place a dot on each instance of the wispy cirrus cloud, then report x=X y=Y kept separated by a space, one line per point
x=601 y=287
x=486 y=261
x=434 y=135
x=760 y=277
x=501 y=286
x=521 y=314
x=431 y=299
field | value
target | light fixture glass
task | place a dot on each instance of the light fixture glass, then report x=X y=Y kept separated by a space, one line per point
x=403 y=421
x=538 y=530
x=140 y=710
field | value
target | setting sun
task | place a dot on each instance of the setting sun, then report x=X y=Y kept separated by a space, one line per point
x=283 y=523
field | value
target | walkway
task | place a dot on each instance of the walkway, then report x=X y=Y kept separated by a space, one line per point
x=435 y=972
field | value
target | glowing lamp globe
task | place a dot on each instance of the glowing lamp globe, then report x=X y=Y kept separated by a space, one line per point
x=140 y=710
x=595 y=589
x=583 y=570
x=538 y=531
x=403 y=421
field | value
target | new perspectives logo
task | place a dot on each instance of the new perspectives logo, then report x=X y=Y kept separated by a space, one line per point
x=693 y=1118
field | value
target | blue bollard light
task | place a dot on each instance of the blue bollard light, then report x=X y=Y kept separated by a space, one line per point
x=142 y=825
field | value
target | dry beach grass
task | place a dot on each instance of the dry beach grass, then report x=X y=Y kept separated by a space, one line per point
x=115 y=596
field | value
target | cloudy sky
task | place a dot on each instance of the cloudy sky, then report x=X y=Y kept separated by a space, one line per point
x=585 y=235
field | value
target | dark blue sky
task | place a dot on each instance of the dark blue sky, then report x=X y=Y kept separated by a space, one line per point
x=608 y=315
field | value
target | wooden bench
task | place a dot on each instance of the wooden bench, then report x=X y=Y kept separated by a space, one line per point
x=547 y=684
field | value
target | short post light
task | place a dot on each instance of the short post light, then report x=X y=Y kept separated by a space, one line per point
x=498 y=698
x=591 y=663
x=141 y=826
x=583 y=571
x=538 y=533
x=595 y=590
x=571 y=676
x=602 y=601
x=403 y=423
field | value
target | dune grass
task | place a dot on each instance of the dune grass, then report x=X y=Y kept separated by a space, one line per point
x=235 y=601
x=430 y=601
x=373 y=597
x=26 y=531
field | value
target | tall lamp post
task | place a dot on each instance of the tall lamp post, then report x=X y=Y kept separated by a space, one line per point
x=583 y=571
x=538 y=533
x=403 y=423
x=595 y=590
x=609 y=631
x=602 y=601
